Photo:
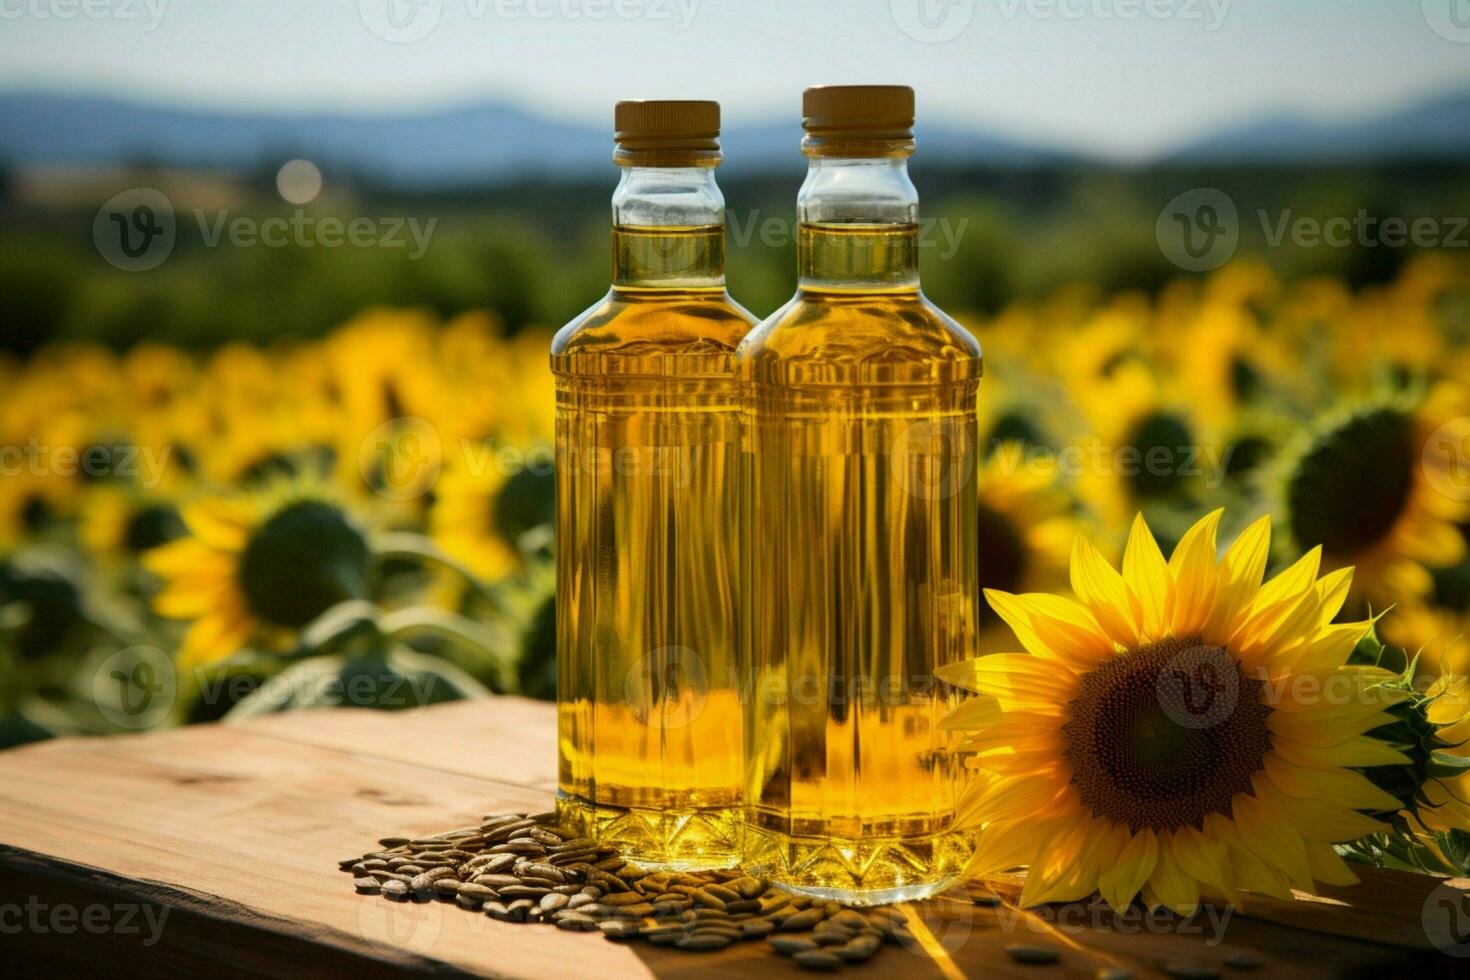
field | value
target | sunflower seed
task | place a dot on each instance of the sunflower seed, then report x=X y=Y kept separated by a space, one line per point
x=816 y=959
x=704 y=942
x=367 y=885
x=619 y=929
x=1035 y=954
x=575 y=922
x=552 y=902
x=858 y=949
x=789 y=945
x=801 y=920
x=395 y=889
x=544 y=871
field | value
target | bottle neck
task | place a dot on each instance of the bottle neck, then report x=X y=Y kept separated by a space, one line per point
x=668 y=229
x=859 y=225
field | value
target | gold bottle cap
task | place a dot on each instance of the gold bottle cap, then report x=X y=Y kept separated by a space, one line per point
x=858 y=120
x=666 y=133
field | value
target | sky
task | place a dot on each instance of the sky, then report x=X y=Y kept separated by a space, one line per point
x=1122 y=78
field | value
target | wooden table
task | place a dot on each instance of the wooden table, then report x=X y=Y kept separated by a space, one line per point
x=216 y=847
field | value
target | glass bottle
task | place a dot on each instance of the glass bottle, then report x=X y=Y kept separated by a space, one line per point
x=651 y=750
x=860 y=573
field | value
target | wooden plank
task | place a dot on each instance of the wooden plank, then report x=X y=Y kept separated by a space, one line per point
x=236 y=830
x=510 y=739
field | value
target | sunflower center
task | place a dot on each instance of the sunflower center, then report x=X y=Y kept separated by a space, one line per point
x=1159 y=436
x=1166 y=734
x=527 y=501
x=302 y=561
x=1002 y=552
x=1351 y=487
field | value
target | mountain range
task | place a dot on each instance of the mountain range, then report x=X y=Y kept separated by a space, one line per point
x=492 y=141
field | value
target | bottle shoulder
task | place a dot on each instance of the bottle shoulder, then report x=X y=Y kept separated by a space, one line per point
x=878 y=337
x=624 y=321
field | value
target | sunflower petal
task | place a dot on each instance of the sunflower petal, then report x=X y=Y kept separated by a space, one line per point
x=1147 y=575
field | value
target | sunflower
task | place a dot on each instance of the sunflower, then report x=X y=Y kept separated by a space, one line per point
x=1103 y=769
x=472 y=518
x=1367 y=487
x=1027 y=522
x=119 y=522
x=257 y=569
x=1437 y=626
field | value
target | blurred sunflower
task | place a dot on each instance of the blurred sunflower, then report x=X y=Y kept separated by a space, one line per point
x=1437 y=627
x=1145 y=454
x=256 y=569
x=1362 y=486
x=119 y=522
x=485 y=505
x=1027 y=522
x=1103 y=770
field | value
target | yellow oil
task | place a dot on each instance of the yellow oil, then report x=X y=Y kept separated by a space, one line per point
x=647 y=431
x=861 y=571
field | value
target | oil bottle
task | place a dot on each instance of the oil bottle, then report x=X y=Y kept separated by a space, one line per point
x=860 y=568
x=651 y=752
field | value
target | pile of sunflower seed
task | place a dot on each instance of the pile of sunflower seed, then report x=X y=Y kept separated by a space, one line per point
x=523 y=868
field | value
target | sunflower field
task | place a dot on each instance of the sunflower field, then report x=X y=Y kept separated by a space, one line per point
x=364 y=519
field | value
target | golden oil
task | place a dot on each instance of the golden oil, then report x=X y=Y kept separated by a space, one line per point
x=651 y=750
x=861 y=572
